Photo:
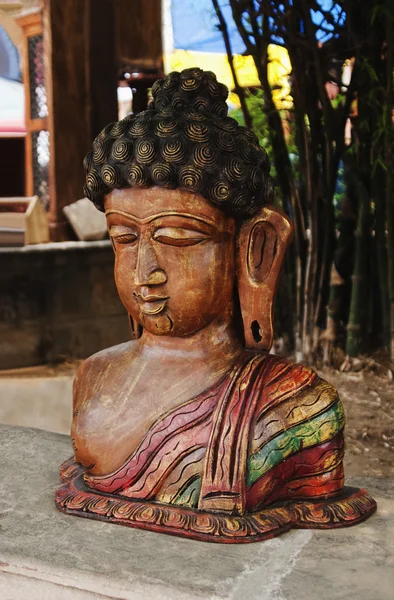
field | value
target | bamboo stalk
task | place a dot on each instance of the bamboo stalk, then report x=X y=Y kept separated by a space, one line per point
x=286 y=180
x=379 y=192
x=359 y=277
x=389 y=159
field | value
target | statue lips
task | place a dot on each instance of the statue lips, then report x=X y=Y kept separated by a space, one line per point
x=151 y=305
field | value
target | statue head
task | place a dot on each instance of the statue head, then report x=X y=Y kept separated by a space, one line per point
x=187 y=196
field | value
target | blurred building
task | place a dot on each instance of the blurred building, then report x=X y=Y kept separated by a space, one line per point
x=67 y=68
x=61 y=64
x=72 y=58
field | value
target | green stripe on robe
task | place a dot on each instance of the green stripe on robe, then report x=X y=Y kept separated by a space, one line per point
x=189 y=496
x=316 y=430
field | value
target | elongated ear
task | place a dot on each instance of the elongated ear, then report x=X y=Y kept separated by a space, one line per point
x=262 y=244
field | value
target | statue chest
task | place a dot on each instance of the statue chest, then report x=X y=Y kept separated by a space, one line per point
x=112 y=422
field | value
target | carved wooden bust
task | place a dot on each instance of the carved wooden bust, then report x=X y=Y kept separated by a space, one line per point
x=193 y=428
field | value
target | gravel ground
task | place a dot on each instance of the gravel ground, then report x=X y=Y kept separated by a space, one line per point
x=369 y=405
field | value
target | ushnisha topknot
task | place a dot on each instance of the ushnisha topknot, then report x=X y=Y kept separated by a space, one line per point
x=184 y=140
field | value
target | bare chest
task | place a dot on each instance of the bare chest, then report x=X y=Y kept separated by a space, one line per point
x=112 y=420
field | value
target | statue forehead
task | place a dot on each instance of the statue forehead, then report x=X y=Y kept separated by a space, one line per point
x=147 y=203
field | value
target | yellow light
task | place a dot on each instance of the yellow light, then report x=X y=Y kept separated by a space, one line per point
x=279 y=69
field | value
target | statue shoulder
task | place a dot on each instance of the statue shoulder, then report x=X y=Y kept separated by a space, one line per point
x=294 y=399
x=284 y=378
x=94 y=369
x=296 y=437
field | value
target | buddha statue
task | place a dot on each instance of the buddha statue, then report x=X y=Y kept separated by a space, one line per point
x=192 y=427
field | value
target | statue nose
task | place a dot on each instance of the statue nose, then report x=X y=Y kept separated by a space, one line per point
x=156 y=278
x=148 y=270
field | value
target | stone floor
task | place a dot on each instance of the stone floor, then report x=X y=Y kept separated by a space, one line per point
x=48 y=555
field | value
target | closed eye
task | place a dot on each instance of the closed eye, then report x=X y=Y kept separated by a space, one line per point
x=179 y=236
x=125 y=238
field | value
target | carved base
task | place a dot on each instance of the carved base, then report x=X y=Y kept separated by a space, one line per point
x=352 y=507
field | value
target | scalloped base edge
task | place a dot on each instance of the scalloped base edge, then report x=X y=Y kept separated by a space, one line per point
x=351 y=507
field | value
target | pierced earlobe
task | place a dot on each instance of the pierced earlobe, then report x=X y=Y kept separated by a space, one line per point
x=262 y=244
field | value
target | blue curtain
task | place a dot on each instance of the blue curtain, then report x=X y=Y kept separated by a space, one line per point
x=9 y=57
x=194 y=24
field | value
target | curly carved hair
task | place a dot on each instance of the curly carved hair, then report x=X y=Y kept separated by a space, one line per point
x=184 y=140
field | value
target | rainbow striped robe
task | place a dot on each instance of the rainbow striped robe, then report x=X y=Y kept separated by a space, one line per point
x=269 y=431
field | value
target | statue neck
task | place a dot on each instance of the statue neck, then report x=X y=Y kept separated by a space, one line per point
x=216 y=341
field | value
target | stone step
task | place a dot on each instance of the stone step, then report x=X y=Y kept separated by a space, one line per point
x=48 y=555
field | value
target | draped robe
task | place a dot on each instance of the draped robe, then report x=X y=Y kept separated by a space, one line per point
x=259 y=452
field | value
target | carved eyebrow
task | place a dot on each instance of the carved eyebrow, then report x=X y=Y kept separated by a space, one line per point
x=179 y=233
x=162 y=214
x=120 y=229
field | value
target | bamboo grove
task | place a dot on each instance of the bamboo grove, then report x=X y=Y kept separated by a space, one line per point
x=333 y=160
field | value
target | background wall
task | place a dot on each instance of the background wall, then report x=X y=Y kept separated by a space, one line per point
x=58 y=301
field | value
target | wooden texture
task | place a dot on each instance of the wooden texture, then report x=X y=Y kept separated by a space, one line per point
x=102 y=64
x=352 y=507
x=230 y=461
x=31 y=25
x=265 y=430
x=192 y=428
x=81 y=89
x=138 y=33
x=37 y=231
x=27 y=214
x=263 y=241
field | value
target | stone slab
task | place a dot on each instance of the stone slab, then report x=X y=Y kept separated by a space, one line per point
x=45 y=554
x=87 y=222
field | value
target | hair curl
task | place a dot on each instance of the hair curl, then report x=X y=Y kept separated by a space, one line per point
x=184 y=140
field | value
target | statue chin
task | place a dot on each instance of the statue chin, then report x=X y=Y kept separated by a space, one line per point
x=158 y=324
x=212 y=437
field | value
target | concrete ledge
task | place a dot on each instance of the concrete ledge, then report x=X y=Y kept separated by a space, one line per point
x=45 y=554
x=56 y=247
x=58 y=300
